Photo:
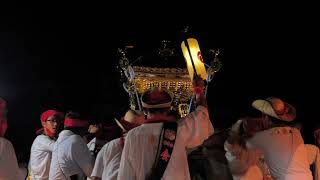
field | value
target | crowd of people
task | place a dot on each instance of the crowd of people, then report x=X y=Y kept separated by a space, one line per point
x=155 y=144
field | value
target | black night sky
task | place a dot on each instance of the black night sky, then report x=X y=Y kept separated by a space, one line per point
x=65 y=56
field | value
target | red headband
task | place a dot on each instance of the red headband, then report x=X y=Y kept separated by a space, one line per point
x=68 y=122
x=45 y=115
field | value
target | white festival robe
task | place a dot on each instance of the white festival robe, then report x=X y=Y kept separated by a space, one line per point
x=108 y=160
x=9 y=169
x=70 y=156
x=141 y=145
x=40 y=157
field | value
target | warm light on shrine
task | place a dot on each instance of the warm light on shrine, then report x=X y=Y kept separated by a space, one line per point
x=192 y=54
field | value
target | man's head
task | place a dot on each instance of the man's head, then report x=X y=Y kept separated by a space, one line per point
x=267 y=113
x=50 y=121
x=74 y=123
x=156 y=101
x=107 y=132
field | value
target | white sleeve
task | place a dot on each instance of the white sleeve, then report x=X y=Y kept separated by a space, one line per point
x=196 y=127
x=46 y=143
x=99 y=165
x=312 y=151
x=126 y=169
x=314 y=158
x=82 y=156
x=111 y=159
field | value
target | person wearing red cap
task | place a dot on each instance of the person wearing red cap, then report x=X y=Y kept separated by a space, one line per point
x=140 y=159
x=108 y=159
x=42 y=146
x=71 y=158
x=9 y=168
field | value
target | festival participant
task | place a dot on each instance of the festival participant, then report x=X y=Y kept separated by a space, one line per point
x=108 y=159
x=71 y=158
x=42 y=146
x=9 y=169
x=139 y=158
x=270 y=134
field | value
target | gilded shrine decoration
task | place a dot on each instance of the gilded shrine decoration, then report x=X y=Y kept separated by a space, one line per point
x=139 y=77
x=175 y=80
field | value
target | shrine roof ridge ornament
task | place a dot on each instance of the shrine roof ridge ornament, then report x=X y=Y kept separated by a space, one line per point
x=165 y=72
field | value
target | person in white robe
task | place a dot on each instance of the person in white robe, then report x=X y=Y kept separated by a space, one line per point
x=71 y=158
x=141 y=143
x=108 y=159
x=91 y=137
x=269 y=134
x=9 y=168
x=105 y=133
x=42 y=146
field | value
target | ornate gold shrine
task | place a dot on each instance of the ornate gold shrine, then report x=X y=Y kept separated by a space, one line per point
x=176 y=80
x=138 y=79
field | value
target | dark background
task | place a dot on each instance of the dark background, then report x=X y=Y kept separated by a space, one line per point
x=64 y=56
